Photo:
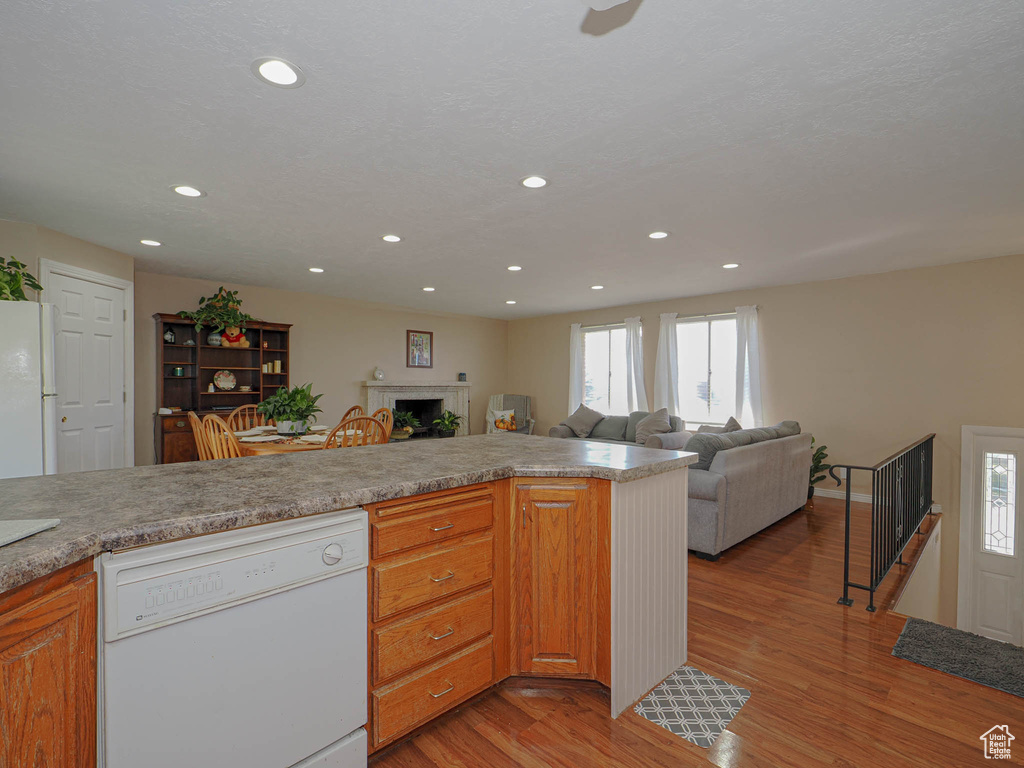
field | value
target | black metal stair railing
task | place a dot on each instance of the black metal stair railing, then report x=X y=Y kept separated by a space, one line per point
x=901 y=497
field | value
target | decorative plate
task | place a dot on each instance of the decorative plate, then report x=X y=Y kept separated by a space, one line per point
x=224 y=380
x=313 y=439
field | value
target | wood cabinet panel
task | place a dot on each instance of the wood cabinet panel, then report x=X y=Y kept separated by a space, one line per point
x=178 y=447
x=432 y=501
x=414 y=700
x=401 y=646
x=48 y=679
x=408 y=583
x=396 y=535
x=555 y=580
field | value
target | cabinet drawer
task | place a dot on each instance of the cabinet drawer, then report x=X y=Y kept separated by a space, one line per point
x=404 y=645
x=410 y=702
x=404 y=533
x=407 y=583
x=431 y=502
x=176 y=423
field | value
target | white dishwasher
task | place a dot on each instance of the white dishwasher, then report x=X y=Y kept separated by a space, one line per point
x=243 y=649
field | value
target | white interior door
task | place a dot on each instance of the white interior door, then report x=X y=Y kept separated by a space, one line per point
x=996 y=591
x=90 y=373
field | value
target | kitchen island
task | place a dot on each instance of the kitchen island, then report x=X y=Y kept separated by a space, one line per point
x=535 y=520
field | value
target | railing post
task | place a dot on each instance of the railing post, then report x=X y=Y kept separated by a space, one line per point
x=846 y=599
x=875 y=512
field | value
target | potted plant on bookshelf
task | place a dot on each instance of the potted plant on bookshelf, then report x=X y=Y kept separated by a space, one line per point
x=293 y=409
x=405 y=422
x=222 y=312
x=447 y=424
x=818 y=467
x=14 y=278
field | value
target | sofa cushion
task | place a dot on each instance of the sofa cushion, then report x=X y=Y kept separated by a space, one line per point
x=670 y=441
x=583 y=421
x=730 y=426
x=610 y=428
x=707 y=444
x=678 y=425
x=788 y=428
x=655 y=424
x=560 y=431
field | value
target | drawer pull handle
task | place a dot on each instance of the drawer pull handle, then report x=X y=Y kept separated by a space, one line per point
x=179 y=424
x=443 y=578
x=441 y=637
x=449 y=689
x=443 y=527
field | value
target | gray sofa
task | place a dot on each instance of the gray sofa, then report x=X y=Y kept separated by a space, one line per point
x=742 y=482
x=622 y=429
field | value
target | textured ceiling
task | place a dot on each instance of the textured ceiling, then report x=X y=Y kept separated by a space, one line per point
x=806 y=140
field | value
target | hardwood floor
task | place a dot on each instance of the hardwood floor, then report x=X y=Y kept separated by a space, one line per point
x=825 y=688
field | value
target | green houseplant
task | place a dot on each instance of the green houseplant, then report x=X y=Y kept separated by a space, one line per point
x=14 y=278
x=220 y=311
x=293 y=409
x=818 y=466
x=404 y=424
x=447 y=424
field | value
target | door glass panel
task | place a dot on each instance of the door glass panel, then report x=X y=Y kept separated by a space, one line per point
x=999 y=503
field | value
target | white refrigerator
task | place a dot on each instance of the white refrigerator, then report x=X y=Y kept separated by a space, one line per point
x=28 y=404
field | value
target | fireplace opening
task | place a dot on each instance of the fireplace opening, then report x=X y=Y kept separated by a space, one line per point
x=425 y=411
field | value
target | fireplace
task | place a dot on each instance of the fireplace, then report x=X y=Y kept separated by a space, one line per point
x=425 y=412
x=426 y=399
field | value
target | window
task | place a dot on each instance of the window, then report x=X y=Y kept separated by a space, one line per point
x=998 y=503
x=706 y=351
x=604 y=369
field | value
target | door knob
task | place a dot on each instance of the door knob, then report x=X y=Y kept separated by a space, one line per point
x=63 y=419
x=333 y=553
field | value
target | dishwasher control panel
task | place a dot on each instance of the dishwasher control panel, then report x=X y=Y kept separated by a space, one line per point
x=159 y=584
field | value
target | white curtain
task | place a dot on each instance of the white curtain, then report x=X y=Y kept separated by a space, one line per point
x=636 y=393
x=748 y=368
x=666 y=367
x=575 y=366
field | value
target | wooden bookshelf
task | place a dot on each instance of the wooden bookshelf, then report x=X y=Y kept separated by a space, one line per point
x=199 y=361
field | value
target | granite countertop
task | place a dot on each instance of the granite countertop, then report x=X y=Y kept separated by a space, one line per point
x=118 y=508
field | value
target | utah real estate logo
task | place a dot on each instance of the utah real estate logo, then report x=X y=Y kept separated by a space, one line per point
x=997 y=742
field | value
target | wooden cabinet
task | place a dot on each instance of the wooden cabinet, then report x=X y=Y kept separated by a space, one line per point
x=555 y=576
x=48 y=671
x=438 y=607
x=186 y=364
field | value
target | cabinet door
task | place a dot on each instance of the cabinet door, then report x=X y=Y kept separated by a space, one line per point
x=555 y=580
x=179 y=446
x=48 y=679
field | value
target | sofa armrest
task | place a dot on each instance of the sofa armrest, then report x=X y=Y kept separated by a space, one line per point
x=707 y=485
x=561 y=431
x=669 y=441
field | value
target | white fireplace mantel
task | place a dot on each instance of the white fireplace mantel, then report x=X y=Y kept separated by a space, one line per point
x=455 y=394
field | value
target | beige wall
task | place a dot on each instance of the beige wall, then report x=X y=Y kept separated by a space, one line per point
x=28 y=243
x=867 y=364
x=336 y=344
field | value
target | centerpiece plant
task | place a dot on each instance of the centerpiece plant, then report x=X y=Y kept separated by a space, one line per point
x=292 y=409
x=447 y=424
x=404 y=425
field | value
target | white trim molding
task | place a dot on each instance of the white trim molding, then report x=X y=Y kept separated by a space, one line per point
x=47 y=269
x=965 y=570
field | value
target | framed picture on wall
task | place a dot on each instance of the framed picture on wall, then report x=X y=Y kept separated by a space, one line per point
x=419 y=349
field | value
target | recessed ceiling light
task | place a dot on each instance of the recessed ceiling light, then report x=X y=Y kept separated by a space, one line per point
x=514 y=268
x=316 y=269
x=597 y=287
x=275 y=71
x=186 y=191
x=153 y=243
x=729 y=266
x=391 y=239
x=658 y=235
x=510 y=301
x=534 y=182
x=428 y=289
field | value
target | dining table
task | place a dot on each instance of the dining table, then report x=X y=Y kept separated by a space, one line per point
x=280 y=444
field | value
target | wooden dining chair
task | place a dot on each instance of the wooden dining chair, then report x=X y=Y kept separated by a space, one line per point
x=361 y=430
x=220 y=440
x=200 y=437
x=351 y=413
x=246 y=417
x=385 y=417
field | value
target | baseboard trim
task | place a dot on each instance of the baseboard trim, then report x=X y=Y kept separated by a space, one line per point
x=865 y=498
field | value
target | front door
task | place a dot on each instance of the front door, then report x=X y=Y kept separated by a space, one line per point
x=89 y=370
x=996 y=593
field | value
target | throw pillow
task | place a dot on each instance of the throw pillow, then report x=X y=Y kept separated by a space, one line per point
x=634 y=418
x=505 y=420
x=583 y=421
x=655 y=424
x=730 y=426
